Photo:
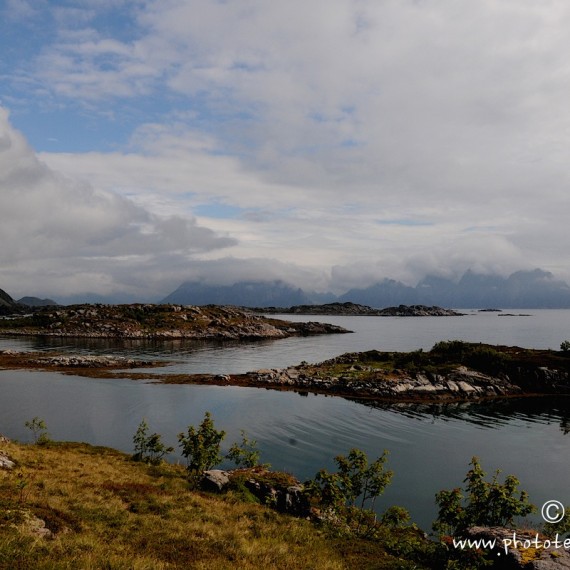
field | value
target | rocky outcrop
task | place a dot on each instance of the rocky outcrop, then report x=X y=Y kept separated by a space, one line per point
x=278 y=490
x=340 y=309
x=418 y=311
x=460 y=384
x=289 y=499
x=34 y=526
x=5 y=461
x=160 y=322
x=214 y=480
x=89 y=361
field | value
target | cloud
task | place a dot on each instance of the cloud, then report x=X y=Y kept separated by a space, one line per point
x=53 y=227
x=387 y=138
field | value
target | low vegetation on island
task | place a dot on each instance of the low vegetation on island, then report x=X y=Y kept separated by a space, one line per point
x=450 y=371
x=72 y=505
x=149 y=321
x=355 y=309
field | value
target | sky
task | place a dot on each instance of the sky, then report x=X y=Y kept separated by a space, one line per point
x=329 y=143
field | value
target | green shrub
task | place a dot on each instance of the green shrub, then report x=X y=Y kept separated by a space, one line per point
x=356 y=480
x=246 y=453
x=149 y=448
x=201 y=447
x=39 y=431
x=481 y=503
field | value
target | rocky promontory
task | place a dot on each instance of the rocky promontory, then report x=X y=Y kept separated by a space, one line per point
x=354 y=309
x=148 y=321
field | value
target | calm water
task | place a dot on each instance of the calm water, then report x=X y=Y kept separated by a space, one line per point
x=430 y=446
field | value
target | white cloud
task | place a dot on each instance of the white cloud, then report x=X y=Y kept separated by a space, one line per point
x=57 y=226
x=382 y=139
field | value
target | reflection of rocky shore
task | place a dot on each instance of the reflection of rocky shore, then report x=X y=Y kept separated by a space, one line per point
x=451 y=372
x=488 y=413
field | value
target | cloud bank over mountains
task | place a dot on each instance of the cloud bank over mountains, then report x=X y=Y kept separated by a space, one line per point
x=64 y=236
x=177 y=140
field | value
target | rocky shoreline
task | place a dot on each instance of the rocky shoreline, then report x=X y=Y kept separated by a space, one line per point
x=460 y=385
x=464 y=372
x=158 y=322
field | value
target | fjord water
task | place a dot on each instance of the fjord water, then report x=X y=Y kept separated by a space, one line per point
x=430 y=445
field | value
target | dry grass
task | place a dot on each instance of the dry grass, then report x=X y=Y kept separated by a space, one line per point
x=105 y=511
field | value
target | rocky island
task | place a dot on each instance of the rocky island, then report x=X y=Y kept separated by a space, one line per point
x=148 y=321
x=354 y=309
x=452 y=371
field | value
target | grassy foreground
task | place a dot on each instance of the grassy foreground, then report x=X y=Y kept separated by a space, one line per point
x=103 y=510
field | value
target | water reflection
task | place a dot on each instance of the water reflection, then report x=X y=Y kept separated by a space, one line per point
x=430 y=445
x=487 y=414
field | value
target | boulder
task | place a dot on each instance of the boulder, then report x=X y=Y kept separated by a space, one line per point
x=5 y=461
x=291 y=499
x=214 y=480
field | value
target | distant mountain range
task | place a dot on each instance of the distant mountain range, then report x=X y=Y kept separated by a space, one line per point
x=523 y=290
x=241 y=294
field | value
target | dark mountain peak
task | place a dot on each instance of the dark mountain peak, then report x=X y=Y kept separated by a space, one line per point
x=242 y=293
x=6 y=300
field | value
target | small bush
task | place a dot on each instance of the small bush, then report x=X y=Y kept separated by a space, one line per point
x=149 y=448
x=246 y=453
x=201 y=447
x=356 y=480
x=482 y=503
x=39 y=431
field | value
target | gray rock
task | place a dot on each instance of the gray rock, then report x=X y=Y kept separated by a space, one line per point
x=214 y=480
x=295 y=501
x=5 y=461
